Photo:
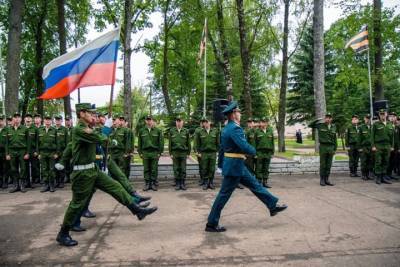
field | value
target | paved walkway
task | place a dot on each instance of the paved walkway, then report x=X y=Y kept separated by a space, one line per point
x=352 y=224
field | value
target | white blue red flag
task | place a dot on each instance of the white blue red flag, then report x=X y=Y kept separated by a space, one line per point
x=90 y=65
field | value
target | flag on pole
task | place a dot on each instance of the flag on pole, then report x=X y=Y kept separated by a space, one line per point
x=202 y=42
x=90 y=65
x=359 y=43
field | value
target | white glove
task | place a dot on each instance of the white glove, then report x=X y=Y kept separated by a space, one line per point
x=106 y=171
x=59 y=167
x=108 y=123
x=219 y=170
x=114 y=142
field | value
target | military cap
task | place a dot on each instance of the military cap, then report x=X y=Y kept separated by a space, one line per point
x=367 y=116
x=233 y=106
x=28 y=115
x=2 y=117
x=264 y=119
x=58 y=117
x=17 y=114
x=354 y=116
x=121 y=117
x=9 y=118
x=328 y=114
x=204 y=119
x=101 y=114
x=84 y=107
x=382 y=111
x=37 y=115
x=256 y=120
x=47 y=116
x=149 y=117
x=178 y=117
x=393 y=113
x=67 y=118
x=250 y=119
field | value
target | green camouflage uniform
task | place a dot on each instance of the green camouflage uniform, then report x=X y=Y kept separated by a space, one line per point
x=47 y=148
x=131 y=149
x=120 y=146
x=265 y=147
x=207 y=145
x=179 y=147
x=62 y=141
x=197 y=153
x=382 y=139
x=250 y=136
x=364 y=135
x=3 y=167
x=352 y=141
x=150 y=148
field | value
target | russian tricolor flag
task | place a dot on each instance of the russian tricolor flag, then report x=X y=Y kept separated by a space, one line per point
x=90 y=65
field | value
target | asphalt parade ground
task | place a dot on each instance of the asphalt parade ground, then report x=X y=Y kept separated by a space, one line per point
x=354 y=223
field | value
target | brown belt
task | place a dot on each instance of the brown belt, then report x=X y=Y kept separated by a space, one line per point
x=235 y=155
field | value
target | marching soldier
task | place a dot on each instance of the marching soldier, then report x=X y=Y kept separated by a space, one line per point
x=120 y=148
x=17 y=152
x=31 y=167
x=150 y=148
x=86 y=177
x=327 y=138
x=352 y=143
x=265 y=147
x=3 y=167
x=179 y=147
x=250 y=137
x=62 y=139
x=207 y=142
x=382 y=144
x=48 y=150
x=364 y=135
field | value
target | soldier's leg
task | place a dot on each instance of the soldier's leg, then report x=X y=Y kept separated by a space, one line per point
x=113 y=188
x=228 y=185
x=351 y=160
x=127 y=166
x=201 y=181
x=364 y=162
x=146 y=169
x=249 y=181
x=52 y=174
x=28 y=172
x=259 y=169
x=203 y=168
x=212 y=160
x=35 y=167
x=322 y=166
x=45 y=166
x=176 y=172
x=154 y=170
x=117 y=174
x=14 y=164
x=267 y=164
x=357 y=160
x=182 y=171
x=386 y=153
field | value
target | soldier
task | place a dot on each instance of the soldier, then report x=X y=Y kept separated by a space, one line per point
x=207 y=142
x=265 y=147
x=31 y=168
x=86 y=177
x=130 y=147
x=3 y=136
x=150 y=148
x=121 y=146
x=327 y=138
x=250 y=137
x=234 y=171
x=35 y=162
x=364 y=135
x=382 y=144
x=393 y=154
x=17 y=152
x=48 y=150
x=7 y=178
x=201 y=181
x=353 y=146
x=179 y=147
x=62 y=139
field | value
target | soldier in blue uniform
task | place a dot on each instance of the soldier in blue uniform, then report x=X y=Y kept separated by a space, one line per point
x=234 y=170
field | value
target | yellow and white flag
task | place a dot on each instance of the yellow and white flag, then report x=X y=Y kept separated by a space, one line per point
x=359 y=43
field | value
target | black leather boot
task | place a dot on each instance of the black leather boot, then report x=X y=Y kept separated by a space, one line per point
x=45 y=188
x=364 y=176
x=22 y=186
x=378 y=178
x=154 y=185
x=322 y=180
x=201 y=181
x=183 y=185
x=205 y=184
x=51 y=185
x=178 y=184
x=140 y=213
x=147 y=186
x=327 y=181
x=140 y=198
x=211 y=184
x=64 y=239
x=355 y=173
x=15 y=187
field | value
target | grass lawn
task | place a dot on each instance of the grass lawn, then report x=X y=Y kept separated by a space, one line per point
x=307 y=143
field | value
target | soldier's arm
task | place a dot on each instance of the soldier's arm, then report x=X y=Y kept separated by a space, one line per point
x=161 y=141
x=28 y=141
x=240 y=140
x=88 y=135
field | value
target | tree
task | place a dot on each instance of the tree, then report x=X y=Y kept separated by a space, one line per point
x=13 y=55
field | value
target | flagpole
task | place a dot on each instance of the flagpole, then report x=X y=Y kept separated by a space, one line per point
x=370 y=89
x=205 y=69
x=1 y=82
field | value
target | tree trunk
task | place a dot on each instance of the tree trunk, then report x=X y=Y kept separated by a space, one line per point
x=127 y=61
x=319 y=61
x=245 y=55
x=284 y=81
x=165 y=61
x=226 y=66
x=13 y=56
x=39 y=57
x=378 y=83
x=63 y=47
